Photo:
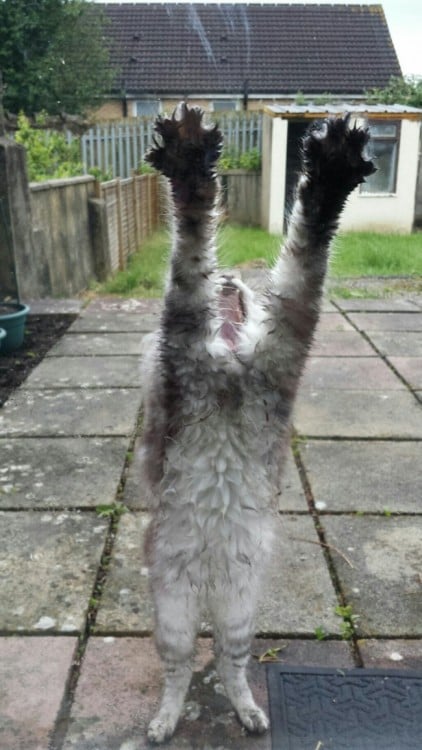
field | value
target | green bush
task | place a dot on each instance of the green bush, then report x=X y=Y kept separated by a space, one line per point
x=231 y=159
x=49 y=156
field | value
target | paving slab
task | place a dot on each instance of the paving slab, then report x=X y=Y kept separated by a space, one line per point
x=86 y=372
x=384 y=585
x=291 y=498
x=50 y=306
x=125 y=603
x=119 y=688
x=381 y=304
x=406 y=344
x=341 y=344
x=417 y=299
x=124 y=305
x=64 y=473
x=33 y=674
x=387 y=654
x=66 y=412
x=357 y=414
x=387 y=321
x=366 y=476
x=410 y=368
x=48 y=567
x=114 y=322
x=299 y=595
x=365 y=373
x=333 y=321
x=101 y=344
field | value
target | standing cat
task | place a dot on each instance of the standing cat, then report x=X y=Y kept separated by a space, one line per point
x=222 y=383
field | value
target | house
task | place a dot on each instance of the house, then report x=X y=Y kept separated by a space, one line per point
x=385 y=202
x=294 y=62
x=243 y=56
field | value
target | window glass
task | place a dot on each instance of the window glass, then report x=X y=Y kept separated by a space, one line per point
x=147 y=107
x=224 y=105
x=383 y=149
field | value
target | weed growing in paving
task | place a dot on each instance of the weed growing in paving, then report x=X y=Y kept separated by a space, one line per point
x=347 y=627
x=110 y=511
x=320 y=633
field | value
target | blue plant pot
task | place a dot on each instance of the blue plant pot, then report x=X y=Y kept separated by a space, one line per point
x=12 y=321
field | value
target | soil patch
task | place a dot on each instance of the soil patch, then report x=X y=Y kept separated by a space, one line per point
x=41 y=333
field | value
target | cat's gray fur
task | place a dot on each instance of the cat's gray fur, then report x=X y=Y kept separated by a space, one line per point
x=222 y=382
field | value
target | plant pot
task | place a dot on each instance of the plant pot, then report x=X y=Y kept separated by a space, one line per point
x=12 y=320
x=2 y=335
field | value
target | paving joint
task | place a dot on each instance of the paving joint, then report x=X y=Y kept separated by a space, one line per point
x=76 y=651
x=383 y=357
x=326 y=551
x=60 y=730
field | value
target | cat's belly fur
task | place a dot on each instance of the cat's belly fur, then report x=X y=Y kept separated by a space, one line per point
x=216 y=515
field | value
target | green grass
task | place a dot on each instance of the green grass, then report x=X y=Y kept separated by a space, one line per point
x=355 y=254
x=371 y=254
x=242 y=245
x=145 y=271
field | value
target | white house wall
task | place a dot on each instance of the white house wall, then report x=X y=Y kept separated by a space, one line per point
x=274 y=158
x=364 y=211
x=392 y=212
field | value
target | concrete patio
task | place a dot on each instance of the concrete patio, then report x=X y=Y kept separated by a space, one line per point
x=78 y=669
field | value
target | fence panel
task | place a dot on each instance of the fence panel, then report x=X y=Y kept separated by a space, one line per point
x=132 y=214
x=118 y=149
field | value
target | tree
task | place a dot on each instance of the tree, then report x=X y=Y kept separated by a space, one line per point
x=53 y=55
x=406 y=90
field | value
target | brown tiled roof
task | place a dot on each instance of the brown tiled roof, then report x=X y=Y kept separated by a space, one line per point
x=182 y=49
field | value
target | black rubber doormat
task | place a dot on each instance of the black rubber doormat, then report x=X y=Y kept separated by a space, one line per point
x=355 y=709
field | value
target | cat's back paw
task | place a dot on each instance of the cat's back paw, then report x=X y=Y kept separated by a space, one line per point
x=254 y=719
x=161 y=728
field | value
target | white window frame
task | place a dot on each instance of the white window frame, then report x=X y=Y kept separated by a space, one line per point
x=383 y=148
x=154 y=104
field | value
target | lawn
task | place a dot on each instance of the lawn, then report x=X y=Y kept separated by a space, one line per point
x=354 y=254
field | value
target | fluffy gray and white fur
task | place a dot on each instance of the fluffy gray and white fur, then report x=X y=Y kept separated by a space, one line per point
x=222 y=382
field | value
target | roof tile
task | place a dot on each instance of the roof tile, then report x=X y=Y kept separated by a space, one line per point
x=278 y=49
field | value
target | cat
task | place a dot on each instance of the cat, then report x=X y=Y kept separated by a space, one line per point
x=220 y=390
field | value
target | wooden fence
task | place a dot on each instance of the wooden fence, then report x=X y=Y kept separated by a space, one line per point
x=117 y=149
x=132 y=213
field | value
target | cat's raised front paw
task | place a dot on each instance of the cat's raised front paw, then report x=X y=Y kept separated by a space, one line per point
x=333 y=153
x=186 y=150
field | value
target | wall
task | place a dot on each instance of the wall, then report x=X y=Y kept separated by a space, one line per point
x=15 y=222
x=62 y=241
x=241 y=190
x=364 y=211
x=274 y=159
x=132 y=212
x=418 y=200
x=84 y=230
x=389 y=212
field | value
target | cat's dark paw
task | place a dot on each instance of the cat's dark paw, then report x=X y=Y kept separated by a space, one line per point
x=333 y=154
x=186 y=150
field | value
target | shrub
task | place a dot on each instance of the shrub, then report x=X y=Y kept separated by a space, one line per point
x=49 y=156
x=230 y=159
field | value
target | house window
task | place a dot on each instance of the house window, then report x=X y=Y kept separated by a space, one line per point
x=147 y=108
x=224 y=105
x=383 y=149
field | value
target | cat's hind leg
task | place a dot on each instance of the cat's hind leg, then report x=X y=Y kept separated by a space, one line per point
x=176 y=615
x=233 y=610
